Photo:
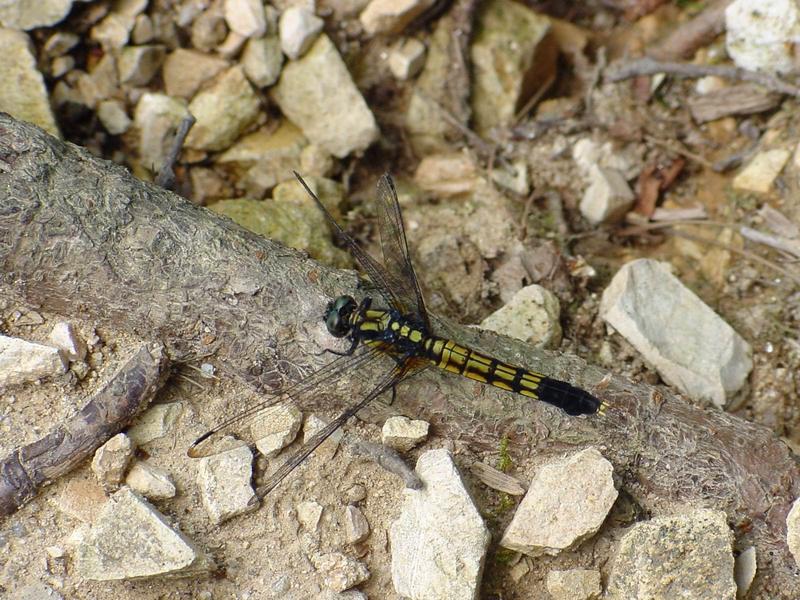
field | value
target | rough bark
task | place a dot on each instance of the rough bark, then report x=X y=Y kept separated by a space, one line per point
x=81 y=236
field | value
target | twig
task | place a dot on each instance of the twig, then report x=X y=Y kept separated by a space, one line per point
x=28 y=468
x=166 y=175
x=689 y=36
x=678 y=148
x=649 y=66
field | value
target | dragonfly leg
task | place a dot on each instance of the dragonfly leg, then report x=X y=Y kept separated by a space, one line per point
x=347 y=352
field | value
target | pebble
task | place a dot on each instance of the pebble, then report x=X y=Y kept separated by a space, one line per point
x=22 y=361
x=566 y=503
x=154 y=423
x=356 y=527
x=532 y=315
x=688 y=343
x=407 y=58
x=246 y=17
x=185 y=71
x=137 y=65
x=111 y=460
x=276 y=429
x=744 y=571
x=224 y=483
x=759 y=36
x=793 y=531
x=25 y=15
x=391 y=16
x=607 y=198
x=574 y=584
x=150 y=481
x=327 y=449
x=156 y=117
x=402 y=433
x=64 y=337
x=308 y=514
x=262 y=60
x=760 y=173
x=113 y=117
x=298 y=28
x=113 y=32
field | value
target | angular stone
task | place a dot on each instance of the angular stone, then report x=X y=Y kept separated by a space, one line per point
x=30 y=14
x=246 y=17
x=157 y=116
x=401 y=433
x=793 y=531
x=113 y=31
x=340 y=572
x=224 y=482
x=101 y=83
x=320 y=84
x=113 y=117
x=81 y=499
x=513 y=55
x=688 y=552
x=277 y=429
x=308 y=514
x=566 y=503
x=298 y=28
x=760 y=36
x=447 y=174
x=22 y=361
x=760 y=173
x=574 y=584
x=744 y=571
x=26 y=98
x=356 y=527
x=262 y=60
x=688 y=343
x=439 y=540
x=327 y=450
x=407 y=58
x=132 y=540
x=532 y=315
x=150 y=481
x=156 y=422
x=223 y=111
x=138 y=64
x=111 y=460
x=186 y=70
x=607 y=198
x=391 y=16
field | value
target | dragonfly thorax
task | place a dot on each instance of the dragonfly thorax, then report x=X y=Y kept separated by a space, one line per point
x=338 y=316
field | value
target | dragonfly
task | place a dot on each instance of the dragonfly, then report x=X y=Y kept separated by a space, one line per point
x=392 y=330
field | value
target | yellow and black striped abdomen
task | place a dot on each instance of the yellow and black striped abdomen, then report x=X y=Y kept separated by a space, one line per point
x=454 y=358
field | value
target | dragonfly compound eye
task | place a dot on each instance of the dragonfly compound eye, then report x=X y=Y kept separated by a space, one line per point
x=337 y=317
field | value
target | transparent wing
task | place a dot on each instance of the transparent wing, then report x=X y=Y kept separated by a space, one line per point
x=219 y=439
x=396 y=258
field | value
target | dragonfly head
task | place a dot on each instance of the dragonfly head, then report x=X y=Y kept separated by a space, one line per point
x=337 y=316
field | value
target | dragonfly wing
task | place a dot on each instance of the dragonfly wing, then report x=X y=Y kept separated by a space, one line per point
x=219 y=438
x=396 y=259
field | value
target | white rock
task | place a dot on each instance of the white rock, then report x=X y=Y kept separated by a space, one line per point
x=793 y=531
x=407 y=58
x=532 y=315
x=744 y=571
x=574 y=584
x=113 y=117
x=391 y=16
x=439 y=540
x=276 y=429
x=22 y=361
x=760 y=36
x=27 y=98
x=143 y=32
x=262 y=60
x=137 y=64
x=156 y=422
x=223 y=111
x=308 y=514
x=111 y=460
x=150 y=481
x=688 y=343
x=316 y=161
x=607 y=198
x=340 y=572
x=60 y=42
x=320 y=84
x=356 y=527
x=687 y=552
x=186 y=70
x=327 y=449
x=157 y=116
x=589 y=154
x=130 y=539
x=246 y=17
x=101 y=83
x=402 y=433
x=760 y=173
x=130 y=8
x=298 y=28
x=61 y=65
x=113 y=31
x=224 y=482
x=64 y=337
x=30 y=14
x=566 y=503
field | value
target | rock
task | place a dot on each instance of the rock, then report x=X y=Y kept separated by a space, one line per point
x=439 y=540
x=22 y=361
x=209 y=29
x=744 y=571
x=407 y=58
x=27 y=14
x=340 y=572
x=607 y=198
x=113 y=32
x=356 y=527
x=309 y=514
x=532 y=315
x=138 y=64
x=401 y=433
x=276 y=429
x=224 y=482
x=514 y=177
x=143 y=32
x=760 y=173
x=59 y=43
x=513 y=55
x=793 y=531
x=574 y=584
x=63 y=337
x=150 y=481
x=689 y=552
x=223 y=111
x=760 y=36
x=81 y=499
x=262 y=60
x=132 y=540
x=113 y=117
x=319 y=83
x=101 y=83
x=447 y=174
x=566 y=503
x=130 y=8
x=688 y=343
x=186 y=70
x=156 y=117
x=315 y=161
x=111 y=460
x=246 y=17
x=391 y=16
x=156 y=422
x=27 y=99
x=589 y=155
x=298 y=28
x=327 y=449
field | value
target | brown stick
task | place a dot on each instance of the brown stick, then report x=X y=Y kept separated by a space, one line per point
x=688 y=37
x=29 y=468
x=74 y=227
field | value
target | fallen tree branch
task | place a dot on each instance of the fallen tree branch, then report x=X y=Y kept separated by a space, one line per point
x=81 y=235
